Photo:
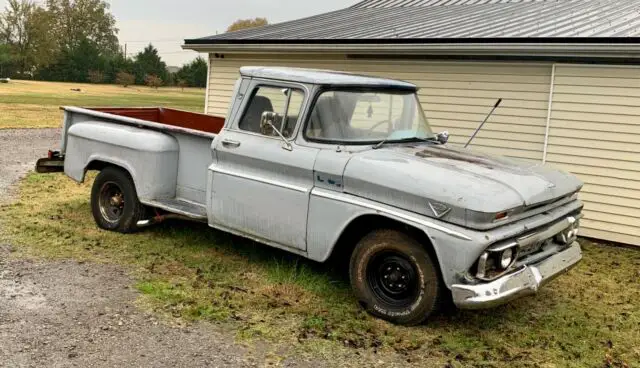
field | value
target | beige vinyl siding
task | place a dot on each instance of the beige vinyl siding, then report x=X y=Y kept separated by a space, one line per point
x=595 y=133
x=455 y=96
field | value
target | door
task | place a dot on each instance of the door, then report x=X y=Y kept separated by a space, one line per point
x=259 y=186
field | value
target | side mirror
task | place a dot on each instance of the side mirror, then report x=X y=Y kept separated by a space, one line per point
x=443 y=137
x=268 y=122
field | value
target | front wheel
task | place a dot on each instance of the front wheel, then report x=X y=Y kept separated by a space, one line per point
x=114 y=201
x=395 y=278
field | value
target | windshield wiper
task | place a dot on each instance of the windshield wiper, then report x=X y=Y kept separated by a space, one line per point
x=405 y=140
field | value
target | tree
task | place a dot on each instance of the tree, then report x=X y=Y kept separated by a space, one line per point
x=114 y=64
x=60 y=41
x=153 y=81
x=148 y=62
x=74 y=65
x=79 y=20
x=194 y=73
x=24 y=26
x=182 y=84
x=247 y=23
x=95 y=76
x=125 y=79
x=6 y=60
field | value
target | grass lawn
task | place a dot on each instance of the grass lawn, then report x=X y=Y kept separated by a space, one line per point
x=29 y=104
x=589 y=317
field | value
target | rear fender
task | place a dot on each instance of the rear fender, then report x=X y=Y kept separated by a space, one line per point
x=150 y=157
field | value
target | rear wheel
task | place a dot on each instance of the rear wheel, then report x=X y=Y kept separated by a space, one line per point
x=114 y=201
x=395 y=278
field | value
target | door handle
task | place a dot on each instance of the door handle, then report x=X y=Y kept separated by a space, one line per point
x=230 y=144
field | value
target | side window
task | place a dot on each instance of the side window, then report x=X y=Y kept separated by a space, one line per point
x=285 y=102
x=296 y=98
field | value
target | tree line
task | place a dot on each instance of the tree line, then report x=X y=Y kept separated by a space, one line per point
x=76 y=41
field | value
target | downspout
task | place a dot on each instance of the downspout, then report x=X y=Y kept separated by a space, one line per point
x=546 y=132
x=207 y=85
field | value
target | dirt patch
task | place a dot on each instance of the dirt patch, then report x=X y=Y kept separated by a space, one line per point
x=20 y=150
x=66 y=313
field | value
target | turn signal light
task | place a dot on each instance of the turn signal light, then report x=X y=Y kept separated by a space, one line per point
x=501 y=216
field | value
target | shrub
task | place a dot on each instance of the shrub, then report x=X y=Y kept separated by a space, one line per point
x=182 y=84
x=125 y=79
x=153 y=81
x=95 y=76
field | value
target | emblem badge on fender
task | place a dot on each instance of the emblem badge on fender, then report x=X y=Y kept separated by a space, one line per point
x=439 y=209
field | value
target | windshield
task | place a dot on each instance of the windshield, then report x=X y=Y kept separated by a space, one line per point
x=367 y=117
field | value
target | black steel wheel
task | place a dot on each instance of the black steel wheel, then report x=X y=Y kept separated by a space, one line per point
x=395 y=278
x=114 y=201
x=111 y=202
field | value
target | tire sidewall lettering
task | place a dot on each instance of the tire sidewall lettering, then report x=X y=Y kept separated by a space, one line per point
x=362 y=272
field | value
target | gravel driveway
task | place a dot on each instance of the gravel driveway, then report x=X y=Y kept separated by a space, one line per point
x=59 y=314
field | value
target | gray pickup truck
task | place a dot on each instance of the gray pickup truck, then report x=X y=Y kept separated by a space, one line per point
x=322 y=163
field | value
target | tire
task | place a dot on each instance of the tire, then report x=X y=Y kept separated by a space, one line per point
x=395 y=278
x=114 y=201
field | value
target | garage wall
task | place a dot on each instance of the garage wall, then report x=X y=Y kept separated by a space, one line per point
x=594 y=126
x=456 y=96
x=595 y=133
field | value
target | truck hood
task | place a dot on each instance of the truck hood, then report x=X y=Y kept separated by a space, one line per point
x=434 y=179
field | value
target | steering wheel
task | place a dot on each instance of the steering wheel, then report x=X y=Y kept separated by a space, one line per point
x=388 y=122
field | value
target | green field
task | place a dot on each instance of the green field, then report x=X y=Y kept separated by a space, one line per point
x=28 y=104
x=586 y=318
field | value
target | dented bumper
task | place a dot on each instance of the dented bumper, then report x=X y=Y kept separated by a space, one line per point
x=524 y=281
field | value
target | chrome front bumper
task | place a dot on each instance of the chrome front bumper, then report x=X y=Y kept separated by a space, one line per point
x=524 y=281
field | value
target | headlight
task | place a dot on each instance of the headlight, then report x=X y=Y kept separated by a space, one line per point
x=495 y=261
x=506 y=258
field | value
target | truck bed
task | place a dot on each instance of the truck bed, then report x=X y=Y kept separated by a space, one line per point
x=175 y=118
x=168 y=151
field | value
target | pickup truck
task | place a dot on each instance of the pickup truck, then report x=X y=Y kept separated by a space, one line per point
x=321 y=163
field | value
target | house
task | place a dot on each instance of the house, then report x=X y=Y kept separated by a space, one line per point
x=567 y=70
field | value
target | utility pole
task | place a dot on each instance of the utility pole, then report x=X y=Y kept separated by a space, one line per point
x=125 y=51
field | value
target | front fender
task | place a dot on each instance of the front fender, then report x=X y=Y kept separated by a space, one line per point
x=331 y=212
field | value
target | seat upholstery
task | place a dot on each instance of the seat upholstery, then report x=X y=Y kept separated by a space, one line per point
x=251 y=119
x=324 y=120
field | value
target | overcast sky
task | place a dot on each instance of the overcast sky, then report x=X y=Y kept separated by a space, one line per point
x=166 y=23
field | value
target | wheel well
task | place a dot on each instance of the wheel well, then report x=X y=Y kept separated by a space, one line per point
x=363 y=225
x=100 y=165
x=97 y=165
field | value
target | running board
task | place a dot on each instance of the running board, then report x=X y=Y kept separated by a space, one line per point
x=191 y=210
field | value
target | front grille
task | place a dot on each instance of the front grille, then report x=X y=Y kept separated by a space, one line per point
x=547 y=203
x=532 y=248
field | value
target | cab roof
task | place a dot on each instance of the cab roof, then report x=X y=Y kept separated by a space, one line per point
x=323 y=77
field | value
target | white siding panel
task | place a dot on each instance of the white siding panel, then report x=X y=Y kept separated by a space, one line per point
x=595 y=133
x=455 y=96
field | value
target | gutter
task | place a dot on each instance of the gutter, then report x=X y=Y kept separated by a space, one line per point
x=549 y=111
x=556 y=49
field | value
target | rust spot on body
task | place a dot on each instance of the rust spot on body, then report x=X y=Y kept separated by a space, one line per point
x=457 y=156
